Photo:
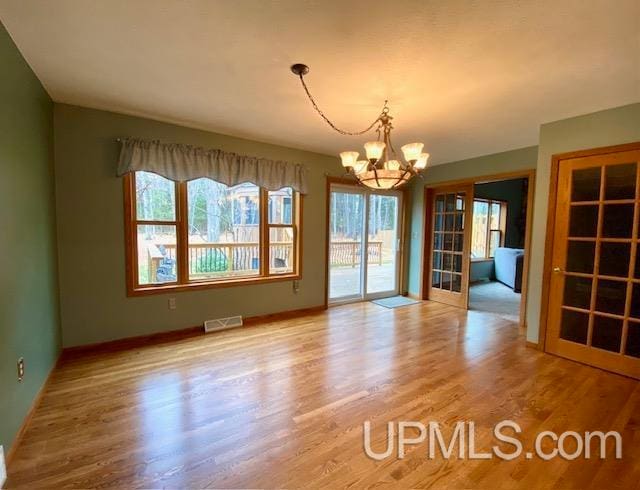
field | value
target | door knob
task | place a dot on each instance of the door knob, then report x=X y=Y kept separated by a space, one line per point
x=557 y=270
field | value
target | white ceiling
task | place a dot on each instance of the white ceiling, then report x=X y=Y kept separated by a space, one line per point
x=466 y=77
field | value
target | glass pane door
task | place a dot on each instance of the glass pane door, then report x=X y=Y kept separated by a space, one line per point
x=599 y=255
x=450 y=245
x=382 y=247
x=448 y=242
x=595 y=287
x=346 y=230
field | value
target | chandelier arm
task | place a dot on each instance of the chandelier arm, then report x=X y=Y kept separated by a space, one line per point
x=401 y=179
x=375 y=173
x=385 y=152
x=393 y=150
x=385 y=109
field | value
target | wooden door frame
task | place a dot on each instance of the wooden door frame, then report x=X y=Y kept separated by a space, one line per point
x=402 y=226
x=530 y=175
x=551 y=218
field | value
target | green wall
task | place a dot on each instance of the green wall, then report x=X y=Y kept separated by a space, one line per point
x=482 y=270
x=94 y=305
x=511 y=191
x=508 y=161
x=611 y=127
x=29 y=320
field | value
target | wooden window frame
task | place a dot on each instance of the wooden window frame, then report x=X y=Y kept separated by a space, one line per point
x=183 y=283
x=502 y=225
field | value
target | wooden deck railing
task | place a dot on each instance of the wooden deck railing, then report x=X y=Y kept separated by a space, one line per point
x=207 y=258
x=348 y=253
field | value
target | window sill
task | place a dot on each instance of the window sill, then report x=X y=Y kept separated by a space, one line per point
x=195 y=286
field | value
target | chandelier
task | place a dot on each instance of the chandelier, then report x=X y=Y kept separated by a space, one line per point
x=382 y=169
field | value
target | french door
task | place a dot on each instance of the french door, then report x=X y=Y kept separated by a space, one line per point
x=364 y=243
x=594 y=301
x=447 y=280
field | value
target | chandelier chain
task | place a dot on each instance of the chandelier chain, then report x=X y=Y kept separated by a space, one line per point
x=381 y=168
x=384 y=111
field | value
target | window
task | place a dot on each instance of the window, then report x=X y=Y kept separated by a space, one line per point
x=203 y=234
x=489 y=224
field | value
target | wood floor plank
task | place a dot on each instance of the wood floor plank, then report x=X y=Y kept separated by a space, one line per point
x=282 y=404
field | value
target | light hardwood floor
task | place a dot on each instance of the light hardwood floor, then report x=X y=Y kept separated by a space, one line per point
x=283 y=404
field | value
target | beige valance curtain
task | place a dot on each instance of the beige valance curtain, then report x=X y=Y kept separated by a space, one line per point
x=183 y=162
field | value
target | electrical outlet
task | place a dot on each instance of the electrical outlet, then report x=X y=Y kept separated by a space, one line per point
x=172 y=303
x=296 y=286
x=3 y=468
x=21 y=369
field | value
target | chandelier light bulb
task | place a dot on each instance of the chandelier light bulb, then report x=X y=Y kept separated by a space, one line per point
x=374 y=149
x=392 y=165
x=421 y=163
x=412 y=151
x=360 y=166
x=349 y=158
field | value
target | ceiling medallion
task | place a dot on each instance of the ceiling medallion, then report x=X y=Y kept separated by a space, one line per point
x=382 y=169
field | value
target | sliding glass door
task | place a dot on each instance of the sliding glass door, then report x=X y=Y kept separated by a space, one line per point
x=383 y=237
x=346 y=232
x=364 y=243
